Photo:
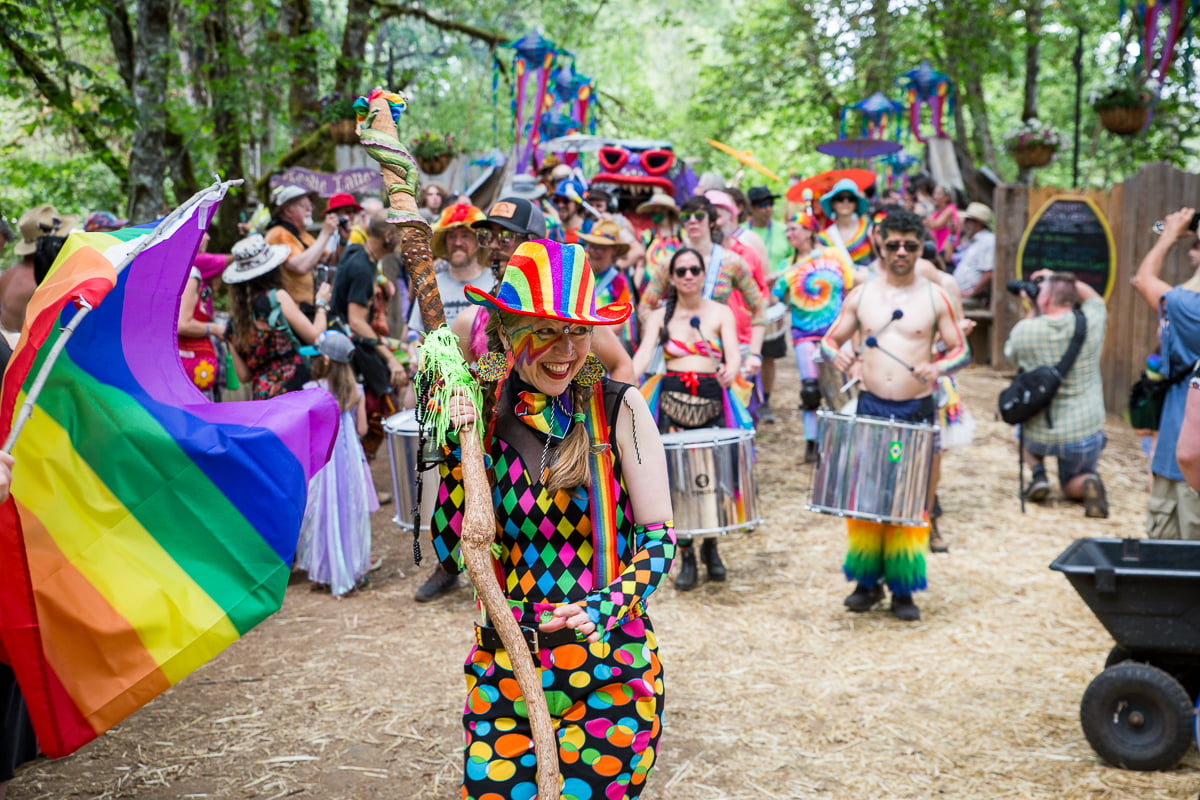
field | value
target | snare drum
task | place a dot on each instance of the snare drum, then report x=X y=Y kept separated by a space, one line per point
x=402 y=443
x=711 y=474
x=873 y=469
x=777 y=321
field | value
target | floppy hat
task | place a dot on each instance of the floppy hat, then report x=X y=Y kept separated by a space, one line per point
x=722 y=199
x=252 y=257
x=459 y=215
x=980 y=213
x=342 y=200
x=41 y=221
x=282 y=195
x=516 y=214
x=552 y=280
x=608 y=233
x=759 y=194
x=103 y=219
x=525 y=186
x=659 y=203
x=844 y=185
x=334 y=345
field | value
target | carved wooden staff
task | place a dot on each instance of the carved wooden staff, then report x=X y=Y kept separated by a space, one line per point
x=378 y=135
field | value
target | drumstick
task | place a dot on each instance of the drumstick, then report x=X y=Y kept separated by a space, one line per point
x=897 y=314
x=873 y=342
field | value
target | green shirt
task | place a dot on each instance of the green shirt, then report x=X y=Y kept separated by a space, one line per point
x=1078 y=409
x=778 y=249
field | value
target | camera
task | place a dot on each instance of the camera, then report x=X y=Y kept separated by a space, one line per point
x=344 y=223
x=1028 y=287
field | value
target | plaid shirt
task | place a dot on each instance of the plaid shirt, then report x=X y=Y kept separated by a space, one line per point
x=1078 y=409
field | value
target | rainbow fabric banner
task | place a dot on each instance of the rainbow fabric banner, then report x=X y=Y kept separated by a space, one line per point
x=148 y=528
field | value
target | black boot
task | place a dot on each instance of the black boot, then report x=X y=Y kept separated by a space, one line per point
x=685 y=579
x=712 y=560
x=863 y=597
x=437 y=585
x=810 y=451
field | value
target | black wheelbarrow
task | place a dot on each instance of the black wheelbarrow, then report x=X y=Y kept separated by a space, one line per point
x=1140 y=712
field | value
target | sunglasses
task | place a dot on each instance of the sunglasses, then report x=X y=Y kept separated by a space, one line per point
x=503 y=238
x=845 y=198
x=695 y=270
x=699 y=216
x=765 y=204
x=909 y=247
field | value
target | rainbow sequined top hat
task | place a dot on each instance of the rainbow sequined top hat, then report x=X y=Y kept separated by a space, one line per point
x=552 y=280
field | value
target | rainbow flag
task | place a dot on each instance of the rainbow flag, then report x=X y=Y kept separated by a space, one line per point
x=148 y=528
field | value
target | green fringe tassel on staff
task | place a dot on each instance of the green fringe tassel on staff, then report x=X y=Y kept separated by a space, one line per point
x=443 y=374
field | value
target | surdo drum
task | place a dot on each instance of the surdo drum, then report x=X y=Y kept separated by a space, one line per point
x=711 y=474
x=777 y=321
x=403 y=445
x=873 y=469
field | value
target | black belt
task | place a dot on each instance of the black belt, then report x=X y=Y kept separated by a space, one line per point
x=489 y=638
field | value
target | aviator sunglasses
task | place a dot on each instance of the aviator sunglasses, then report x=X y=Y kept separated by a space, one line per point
x=894 y=247
x=695 y=270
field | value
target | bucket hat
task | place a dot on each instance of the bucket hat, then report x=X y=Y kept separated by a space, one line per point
x=342 y=200
x=845 y=185
x=548 y=279
x=252 y=257
x=660 y=203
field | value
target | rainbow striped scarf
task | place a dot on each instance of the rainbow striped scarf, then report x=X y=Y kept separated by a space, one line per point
x=148 y=528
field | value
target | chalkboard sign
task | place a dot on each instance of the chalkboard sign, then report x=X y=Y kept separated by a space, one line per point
x=1069 y=234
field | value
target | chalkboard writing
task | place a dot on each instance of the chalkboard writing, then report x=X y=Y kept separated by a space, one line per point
x=1069 y=234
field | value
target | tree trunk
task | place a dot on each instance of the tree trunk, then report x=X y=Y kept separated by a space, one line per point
x=304 y=107
x=227 y=98
x=147 y=159
x=354 y=48
x=116 y=17
x=1033 y=35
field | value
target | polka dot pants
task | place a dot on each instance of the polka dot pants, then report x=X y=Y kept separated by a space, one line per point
x=606 y=700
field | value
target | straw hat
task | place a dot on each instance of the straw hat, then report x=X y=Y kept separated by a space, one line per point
x=41 y=221
x=252 y=257
x=551 y=280
x=660 y=203
x=607 y=233
x=980 y=213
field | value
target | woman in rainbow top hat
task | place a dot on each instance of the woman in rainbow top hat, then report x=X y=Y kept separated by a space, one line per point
x=584 y=537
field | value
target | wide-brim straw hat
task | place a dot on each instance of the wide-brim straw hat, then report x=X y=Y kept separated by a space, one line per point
x=980 y=213
x=551 y=280
x=660 y=203
x=253 y=257
x=607 y=233
x=41 y=221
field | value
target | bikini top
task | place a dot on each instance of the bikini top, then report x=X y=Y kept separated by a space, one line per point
x=674 y=348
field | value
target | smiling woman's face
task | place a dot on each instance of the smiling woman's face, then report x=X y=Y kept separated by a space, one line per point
x=548 y=353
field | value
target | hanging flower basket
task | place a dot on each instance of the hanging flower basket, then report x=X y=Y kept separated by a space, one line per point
x=1035 y=155
x=344 y=131
x=434 y=165
x=1124 y=121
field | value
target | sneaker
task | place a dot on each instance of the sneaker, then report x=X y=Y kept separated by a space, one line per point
x=765 y=414
x=1095 y=500
x=1039 y=488
x=863 y=597
x=936 y=543
x=903 y=608
x=438 y=584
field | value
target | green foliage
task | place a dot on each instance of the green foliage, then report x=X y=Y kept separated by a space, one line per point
x=1127 y=89
x=76 y=185
x=430 y=145
x=336 y=107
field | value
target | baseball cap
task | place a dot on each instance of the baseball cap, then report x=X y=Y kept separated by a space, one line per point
x=334 y=345
x=517 y=215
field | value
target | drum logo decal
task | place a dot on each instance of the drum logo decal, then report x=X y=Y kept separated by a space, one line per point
x=895 y=451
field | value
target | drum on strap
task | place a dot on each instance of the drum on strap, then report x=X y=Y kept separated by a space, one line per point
x=777 y=320
x=711 y=474
x=873 y=469
x=403 y=441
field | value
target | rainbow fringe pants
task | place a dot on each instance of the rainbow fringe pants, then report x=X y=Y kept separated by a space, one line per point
x=893 y=553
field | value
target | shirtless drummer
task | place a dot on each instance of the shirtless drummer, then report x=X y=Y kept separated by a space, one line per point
x=898 y=318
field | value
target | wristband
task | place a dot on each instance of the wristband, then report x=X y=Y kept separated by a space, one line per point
x=755 y=355
x=323 y=304
x=207 y=329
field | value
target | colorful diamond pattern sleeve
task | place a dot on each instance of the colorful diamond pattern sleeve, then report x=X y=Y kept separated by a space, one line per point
x=625 y=598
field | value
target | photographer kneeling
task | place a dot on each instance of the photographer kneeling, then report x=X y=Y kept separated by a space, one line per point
x=1071 y=427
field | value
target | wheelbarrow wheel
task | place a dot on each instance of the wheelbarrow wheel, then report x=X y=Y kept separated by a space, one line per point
x=1136 y=716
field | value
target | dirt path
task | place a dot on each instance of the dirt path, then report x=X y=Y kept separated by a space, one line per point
x=773 y=689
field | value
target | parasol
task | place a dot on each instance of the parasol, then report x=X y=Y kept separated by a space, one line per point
x=858 y=148
x=574 y=143
x=746 y=157
x=822 y=182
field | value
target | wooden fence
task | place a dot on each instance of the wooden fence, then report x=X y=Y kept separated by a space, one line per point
x=1131 y=209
